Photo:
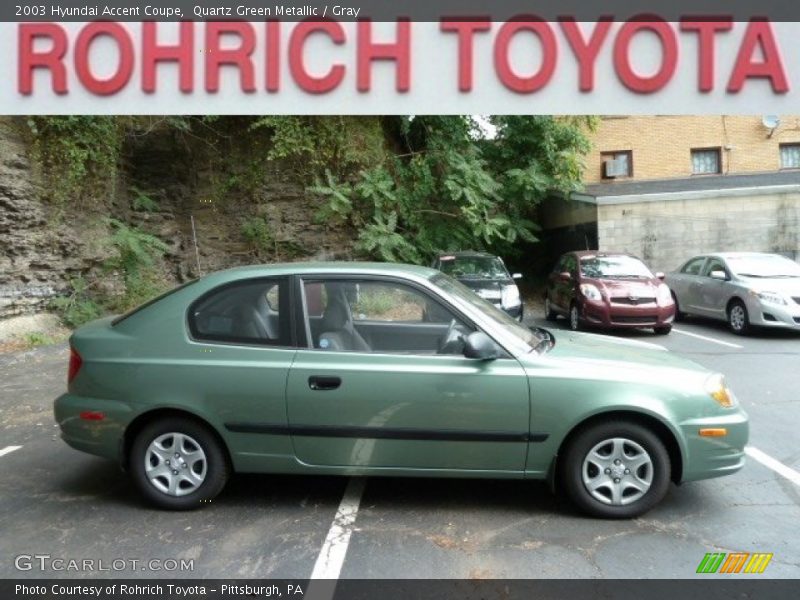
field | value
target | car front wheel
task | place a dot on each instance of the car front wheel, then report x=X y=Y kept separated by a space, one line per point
x=738 y=319
x=574 y=317
x=178 y=464
x=616 y=470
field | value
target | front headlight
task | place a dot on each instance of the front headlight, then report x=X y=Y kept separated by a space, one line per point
x=510 y=296
x=719 y=391
x=663 y=294
x=771 y=297
x=591 y=292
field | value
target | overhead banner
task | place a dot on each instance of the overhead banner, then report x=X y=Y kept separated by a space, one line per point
x=455 y=65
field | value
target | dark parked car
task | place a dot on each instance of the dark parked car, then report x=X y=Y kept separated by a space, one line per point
x=608 y=290
x=486 y=275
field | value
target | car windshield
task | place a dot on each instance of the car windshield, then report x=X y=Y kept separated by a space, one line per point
x=614 y=266
x=539 y=341
x=765 y=265
x=473 y=267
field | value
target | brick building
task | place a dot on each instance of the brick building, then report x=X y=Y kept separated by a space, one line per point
x=667 y=187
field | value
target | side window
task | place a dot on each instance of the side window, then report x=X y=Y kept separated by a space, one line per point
x=571 y=265
x=714 y=264
x=248 y=312
x=381 y=317
x=693 y=266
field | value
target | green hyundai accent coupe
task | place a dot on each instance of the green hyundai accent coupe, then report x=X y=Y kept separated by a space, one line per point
x=379 y=369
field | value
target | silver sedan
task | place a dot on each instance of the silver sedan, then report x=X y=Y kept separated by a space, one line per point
x=745 y=289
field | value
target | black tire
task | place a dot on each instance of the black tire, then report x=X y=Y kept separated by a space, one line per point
x=217 y=468
x=571 y=469
x=679 y=316
x=662 y=330
x=739 y=322
x=574 y=319
x=549 y=313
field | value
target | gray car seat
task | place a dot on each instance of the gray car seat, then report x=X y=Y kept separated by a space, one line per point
x=338 y=332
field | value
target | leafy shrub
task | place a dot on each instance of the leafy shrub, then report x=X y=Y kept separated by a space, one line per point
x=255 y=231
x=77 y=307
x=142 y=202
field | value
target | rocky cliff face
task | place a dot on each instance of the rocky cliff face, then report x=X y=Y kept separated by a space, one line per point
x=39 y=251
x=43 y=246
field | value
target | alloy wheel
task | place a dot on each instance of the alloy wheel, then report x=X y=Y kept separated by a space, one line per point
x=738 y=318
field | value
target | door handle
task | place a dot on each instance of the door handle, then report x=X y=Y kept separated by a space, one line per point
x=319 y=383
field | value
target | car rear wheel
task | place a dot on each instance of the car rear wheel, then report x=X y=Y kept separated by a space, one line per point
x=549 y=313
x=738 y=319
x=662 y=330
x=679 y=316
x=574 y=317
x=178 y=464
x=616 y=470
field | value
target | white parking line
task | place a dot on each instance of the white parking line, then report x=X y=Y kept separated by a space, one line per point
x=775 y=465
x=708 y=339
x=9 y=450
x=331 y=557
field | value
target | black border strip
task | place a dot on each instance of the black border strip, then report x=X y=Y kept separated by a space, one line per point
x=387 y=433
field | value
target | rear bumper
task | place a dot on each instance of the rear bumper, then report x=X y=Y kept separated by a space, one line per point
x=708 y=457
x=601 y=314
x=101 y=437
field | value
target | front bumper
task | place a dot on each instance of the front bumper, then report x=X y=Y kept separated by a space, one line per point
x=765 y=314
x=708 y=457
x=99 y=437
x=608 y=315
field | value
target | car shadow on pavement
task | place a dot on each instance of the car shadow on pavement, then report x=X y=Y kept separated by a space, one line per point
x=430 y=494
x=763 y=333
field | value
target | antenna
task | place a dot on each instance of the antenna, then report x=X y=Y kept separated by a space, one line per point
x=771 y=122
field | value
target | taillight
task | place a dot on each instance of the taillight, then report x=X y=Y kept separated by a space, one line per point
x=75 y=362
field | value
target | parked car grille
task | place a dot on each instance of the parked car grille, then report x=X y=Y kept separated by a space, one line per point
x=632 y=300
x=642 y=320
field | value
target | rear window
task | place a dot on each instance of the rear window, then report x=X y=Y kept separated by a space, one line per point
x=251 y=311
x=133 y=311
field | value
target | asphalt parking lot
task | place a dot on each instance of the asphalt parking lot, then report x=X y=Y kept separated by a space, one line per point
x=58 y=502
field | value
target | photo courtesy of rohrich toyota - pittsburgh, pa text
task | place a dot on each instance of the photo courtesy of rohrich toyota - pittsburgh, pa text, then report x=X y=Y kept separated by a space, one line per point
x=430 y=300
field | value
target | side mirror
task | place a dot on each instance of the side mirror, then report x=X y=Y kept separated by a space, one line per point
x=564 y=276
x=660 y=275
x=516 y=276
x=721 y=275
x=480 y=346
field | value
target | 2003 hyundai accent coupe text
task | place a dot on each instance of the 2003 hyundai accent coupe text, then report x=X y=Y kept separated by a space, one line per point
x=377 y=369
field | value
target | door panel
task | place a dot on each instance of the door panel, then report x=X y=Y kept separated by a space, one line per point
x=401 y=337
x=416 y=412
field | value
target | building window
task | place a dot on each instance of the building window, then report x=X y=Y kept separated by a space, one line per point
x=616 y=165
x=706 y=161
x=790 y=156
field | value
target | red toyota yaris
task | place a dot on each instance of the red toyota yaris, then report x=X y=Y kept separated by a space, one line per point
x=608 y=290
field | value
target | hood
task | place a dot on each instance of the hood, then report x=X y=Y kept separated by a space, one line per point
x=789 y=286
x=604 y=357
x=486 y=284
x=616 y=288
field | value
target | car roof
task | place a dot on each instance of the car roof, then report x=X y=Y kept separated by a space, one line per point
x=322 y=267
x=740 y=254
